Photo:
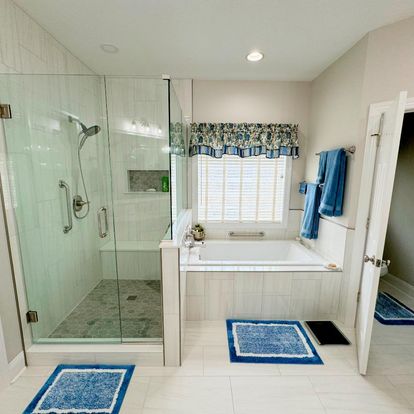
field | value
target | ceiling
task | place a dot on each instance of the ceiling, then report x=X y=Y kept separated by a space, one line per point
x=209 y=39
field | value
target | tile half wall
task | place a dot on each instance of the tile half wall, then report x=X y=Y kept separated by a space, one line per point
x=267 y=295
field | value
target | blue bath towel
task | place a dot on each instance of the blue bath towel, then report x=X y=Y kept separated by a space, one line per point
x=310 y=222
x=322 y=167
x=332 y=171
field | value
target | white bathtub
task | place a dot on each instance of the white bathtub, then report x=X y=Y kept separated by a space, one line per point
x=266 y=279
x=254 y=253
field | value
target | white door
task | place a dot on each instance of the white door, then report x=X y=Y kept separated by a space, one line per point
x=4 y=372
x=378 y=176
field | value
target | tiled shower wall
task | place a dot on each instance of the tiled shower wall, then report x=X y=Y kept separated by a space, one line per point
x=25 y=47
x=138 y=120
x=40 y=155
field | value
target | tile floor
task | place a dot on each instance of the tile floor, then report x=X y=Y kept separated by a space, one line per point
x=98 y=316
x=208 y=384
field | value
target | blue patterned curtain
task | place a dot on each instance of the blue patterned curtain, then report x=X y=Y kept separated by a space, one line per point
x=244 y=140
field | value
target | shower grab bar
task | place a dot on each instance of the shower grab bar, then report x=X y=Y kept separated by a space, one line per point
x=67 y=227
x=103 y=234
x=246 y=234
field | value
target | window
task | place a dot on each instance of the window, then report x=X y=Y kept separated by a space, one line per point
x=233 y=189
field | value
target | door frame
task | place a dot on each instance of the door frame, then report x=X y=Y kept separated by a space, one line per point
x=365 y=194
x=4 y=366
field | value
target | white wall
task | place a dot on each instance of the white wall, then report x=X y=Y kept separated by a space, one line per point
x=25 y=47
x=336 y=121
x=375 y=69
x=335 y=118
x=390 y=62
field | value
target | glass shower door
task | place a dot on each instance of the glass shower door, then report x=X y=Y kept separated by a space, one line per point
x=59 y=179
x=139 y=137
x=178 y=156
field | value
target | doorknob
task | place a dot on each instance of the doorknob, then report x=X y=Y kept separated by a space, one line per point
x=369 y=259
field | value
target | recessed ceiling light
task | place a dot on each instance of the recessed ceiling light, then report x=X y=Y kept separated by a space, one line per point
x=254 y=56
x=109 y=48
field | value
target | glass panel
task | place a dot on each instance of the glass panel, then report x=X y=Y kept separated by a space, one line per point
x=178 y=156
x=138 y=125
x=71 y=276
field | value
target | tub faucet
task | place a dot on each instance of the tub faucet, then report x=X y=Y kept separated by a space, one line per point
x=189 y=238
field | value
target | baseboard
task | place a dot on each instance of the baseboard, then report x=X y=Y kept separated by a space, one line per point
x=399 y=284
x=54 y=354
x=16 y=367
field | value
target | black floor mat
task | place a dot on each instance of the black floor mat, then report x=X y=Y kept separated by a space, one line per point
x=326 y=333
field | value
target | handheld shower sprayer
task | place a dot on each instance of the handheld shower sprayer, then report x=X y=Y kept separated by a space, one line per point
x=86 y=132
x=83 y=135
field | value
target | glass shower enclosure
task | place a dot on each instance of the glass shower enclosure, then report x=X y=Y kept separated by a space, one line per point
x=91 y=186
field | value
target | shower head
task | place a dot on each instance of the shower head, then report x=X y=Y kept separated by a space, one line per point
x=87 y=132
x=91 y=131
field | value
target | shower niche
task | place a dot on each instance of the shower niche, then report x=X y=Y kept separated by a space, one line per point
x=148 y=181
x=81 y=270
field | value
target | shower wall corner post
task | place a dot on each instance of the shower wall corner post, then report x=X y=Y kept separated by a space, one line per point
x=174 y=291
x=171 y=303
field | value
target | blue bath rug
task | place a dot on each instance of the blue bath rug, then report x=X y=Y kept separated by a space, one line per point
x=83 y=389
x=270 y=342
x=390 y=311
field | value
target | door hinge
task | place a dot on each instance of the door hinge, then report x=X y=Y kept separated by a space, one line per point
x=5 y=111
x=358 y=296
x=378 y=134
x=367 y=223
x=32 y=317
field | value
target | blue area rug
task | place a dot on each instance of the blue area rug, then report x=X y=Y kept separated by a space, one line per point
x=390 y=311
x=270 y=342
x=83 y=389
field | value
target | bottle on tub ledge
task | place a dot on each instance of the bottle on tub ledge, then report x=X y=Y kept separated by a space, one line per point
x=198 y=232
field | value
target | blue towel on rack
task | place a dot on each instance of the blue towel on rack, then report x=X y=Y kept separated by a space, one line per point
x=310 y=222
x=322 y=167
x=332 y=171
x=302 y=187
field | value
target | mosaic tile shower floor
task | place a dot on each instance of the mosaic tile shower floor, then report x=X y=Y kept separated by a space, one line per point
x=97 y=316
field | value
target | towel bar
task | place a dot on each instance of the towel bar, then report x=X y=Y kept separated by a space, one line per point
x=350 y=150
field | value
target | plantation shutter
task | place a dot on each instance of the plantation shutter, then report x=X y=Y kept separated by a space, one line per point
x=234 y=189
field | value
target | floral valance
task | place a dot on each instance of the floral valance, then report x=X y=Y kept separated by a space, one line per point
x=244 y=140
x=177 y=139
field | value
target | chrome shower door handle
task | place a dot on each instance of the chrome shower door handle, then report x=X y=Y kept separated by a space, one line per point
x=68 y=227
x=104 y=211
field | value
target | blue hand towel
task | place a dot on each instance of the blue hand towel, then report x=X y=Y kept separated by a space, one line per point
x=310 y=222
x=302 y=187
x=332 y=175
